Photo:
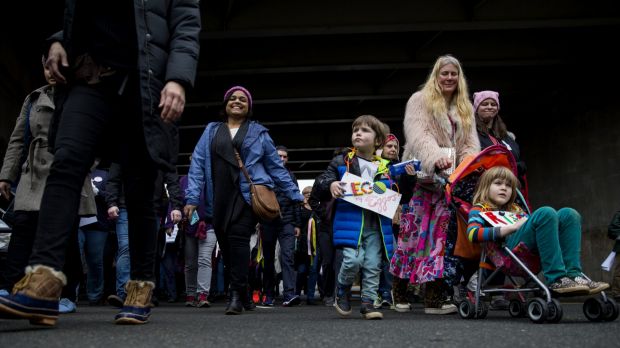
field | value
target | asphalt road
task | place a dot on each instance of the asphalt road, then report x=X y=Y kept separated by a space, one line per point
x=307 y=326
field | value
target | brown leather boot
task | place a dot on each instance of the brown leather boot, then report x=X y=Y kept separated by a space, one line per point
x=136 y=309
x=35 y=297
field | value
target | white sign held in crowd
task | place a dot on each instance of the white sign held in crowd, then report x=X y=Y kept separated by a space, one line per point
x=373 y=196
x=501 y=218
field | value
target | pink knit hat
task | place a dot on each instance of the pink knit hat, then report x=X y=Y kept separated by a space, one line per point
x=479 y=97
x=242 y=89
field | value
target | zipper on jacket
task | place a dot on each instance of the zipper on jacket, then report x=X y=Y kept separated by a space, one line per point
x=359 y=239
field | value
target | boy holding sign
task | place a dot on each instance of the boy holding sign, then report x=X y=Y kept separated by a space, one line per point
x=364 y=235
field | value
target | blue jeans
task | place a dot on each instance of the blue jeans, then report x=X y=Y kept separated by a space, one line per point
x=368 y=257
x=385 y=282
x=307 y=274
x=556 y=236
x=123 y=263
x=285 y=234
x=92 y=243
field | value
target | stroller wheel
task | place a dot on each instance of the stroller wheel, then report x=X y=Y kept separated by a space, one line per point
x=612 y=310
x=555 y=311
x=467 y=309
x=595 y=309
x=516 y=309
x=537 y=310
x=483 y=310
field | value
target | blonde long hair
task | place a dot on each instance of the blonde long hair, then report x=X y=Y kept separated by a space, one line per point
x=481 y=196
x=434 y=97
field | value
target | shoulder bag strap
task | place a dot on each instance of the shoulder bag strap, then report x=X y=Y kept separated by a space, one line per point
x=242 y=167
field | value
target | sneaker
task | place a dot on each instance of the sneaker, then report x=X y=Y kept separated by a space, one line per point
x=293 y=301
x=328 y=301
x=566 y=285
x=377 y=303
x=386 y=301
x=115 y=301
x=369 y=312
x=342 y=302
x=403 y=307
x=268 y=301
x=446 y=308
x=190 y=301
x=593 y=287
x=202 y=301
x=66 y=306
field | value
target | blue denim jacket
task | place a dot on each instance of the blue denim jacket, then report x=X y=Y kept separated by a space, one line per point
x=259 y=156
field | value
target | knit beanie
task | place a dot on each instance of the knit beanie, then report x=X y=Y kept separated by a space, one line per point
x=479 y=97
x=391 y=137
x=242 y=89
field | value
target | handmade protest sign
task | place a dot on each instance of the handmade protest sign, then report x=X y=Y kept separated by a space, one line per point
x=374 y=196
x=501 y=218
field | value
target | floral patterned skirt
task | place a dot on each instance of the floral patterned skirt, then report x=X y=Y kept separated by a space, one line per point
x=419 y=255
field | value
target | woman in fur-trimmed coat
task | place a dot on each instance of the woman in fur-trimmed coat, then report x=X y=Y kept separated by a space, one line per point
x=438 y=117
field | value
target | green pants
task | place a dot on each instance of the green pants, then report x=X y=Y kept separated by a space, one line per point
x=556 y=237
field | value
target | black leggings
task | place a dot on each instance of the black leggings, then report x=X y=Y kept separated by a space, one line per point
x=235 y=245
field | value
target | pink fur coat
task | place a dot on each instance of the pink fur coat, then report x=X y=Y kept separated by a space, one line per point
x=425 y=134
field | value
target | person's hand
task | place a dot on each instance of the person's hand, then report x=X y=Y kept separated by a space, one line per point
x=172 y=101
x=188 y=210
x=169 y=231
x=175 y=216
x=297 y=232
x=443 y=163
x=113 y=213
x=507 y=230
x=5 y=190
x=410 y=169
x=336 y=189
x=57 y=58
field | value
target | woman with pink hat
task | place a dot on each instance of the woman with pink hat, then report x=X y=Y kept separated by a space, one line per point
x=492 y=130
x=227 y=195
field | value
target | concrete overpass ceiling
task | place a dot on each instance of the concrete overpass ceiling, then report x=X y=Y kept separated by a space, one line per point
x=314 y=66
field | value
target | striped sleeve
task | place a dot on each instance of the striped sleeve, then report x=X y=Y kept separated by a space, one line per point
x=476 y=230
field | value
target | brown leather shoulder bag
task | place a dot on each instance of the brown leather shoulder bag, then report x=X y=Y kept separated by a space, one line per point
x=264 y=202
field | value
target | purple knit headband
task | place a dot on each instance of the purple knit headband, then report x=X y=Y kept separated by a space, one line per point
x=242 y=89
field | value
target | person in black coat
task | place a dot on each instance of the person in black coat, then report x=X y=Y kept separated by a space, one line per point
x=492 y=130
x=284 y=229
x=123 y=69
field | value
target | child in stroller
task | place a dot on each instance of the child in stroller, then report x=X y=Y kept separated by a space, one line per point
x=546 y=239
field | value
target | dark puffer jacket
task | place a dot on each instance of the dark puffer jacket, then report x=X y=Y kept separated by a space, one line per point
x=168 y=47
x=289 y=210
